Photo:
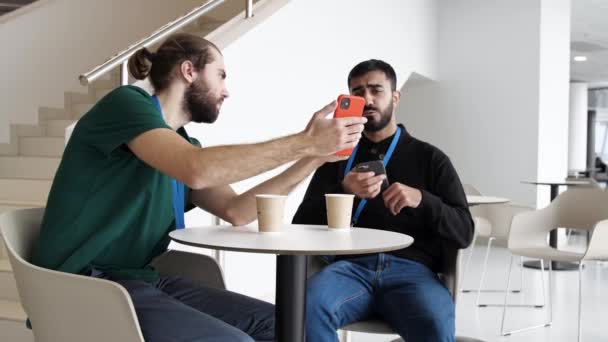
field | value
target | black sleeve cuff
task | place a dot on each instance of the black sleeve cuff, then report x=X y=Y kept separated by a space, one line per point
x=430 y=205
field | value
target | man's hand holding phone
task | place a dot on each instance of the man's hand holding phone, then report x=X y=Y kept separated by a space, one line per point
x=329 y=136
x=363 y=184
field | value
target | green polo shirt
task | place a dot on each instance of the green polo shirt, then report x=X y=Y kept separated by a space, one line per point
x=107 y=209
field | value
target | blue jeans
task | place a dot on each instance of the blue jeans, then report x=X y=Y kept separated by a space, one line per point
x=405 y=294
x=173 y=309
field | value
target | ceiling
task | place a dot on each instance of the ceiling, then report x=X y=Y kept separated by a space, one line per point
x=590 y=38
x=11 y=5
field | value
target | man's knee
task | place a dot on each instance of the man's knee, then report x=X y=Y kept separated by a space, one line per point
x=315 y=301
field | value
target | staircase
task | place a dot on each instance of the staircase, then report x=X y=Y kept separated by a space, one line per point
x=29 y=161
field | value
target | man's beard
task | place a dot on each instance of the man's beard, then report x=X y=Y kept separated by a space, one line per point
x=200 y=103
x=385 y=118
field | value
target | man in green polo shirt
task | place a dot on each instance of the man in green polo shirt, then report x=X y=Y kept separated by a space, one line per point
x=130 y=164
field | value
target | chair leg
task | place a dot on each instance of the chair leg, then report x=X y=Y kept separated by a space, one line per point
x=546 y=324
x=521 y=277
x=483 y=272
x=512 y=291
x=550 y=322
x=464 y=270
x=580 y=300
x=504 y=307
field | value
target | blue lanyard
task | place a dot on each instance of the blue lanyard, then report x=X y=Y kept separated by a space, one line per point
x=178 y=188
x=387 y=158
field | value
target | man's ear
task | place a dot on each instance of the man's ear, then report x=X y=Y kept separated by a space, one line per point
x=187 y=71
x=396 y=97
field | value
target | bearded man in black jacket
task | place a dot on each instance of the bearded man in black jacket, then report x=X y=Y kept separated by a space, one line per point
x=425 y=200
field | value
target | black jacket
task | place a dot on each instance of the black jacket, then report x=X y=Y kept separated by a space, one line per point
x=442 y=220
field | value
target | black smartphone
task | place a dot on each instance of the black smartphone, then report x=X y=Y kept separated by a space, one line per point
x=376 y=167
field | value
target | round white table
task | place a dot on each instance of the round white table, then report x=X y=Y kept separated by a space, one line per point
x=477 y=200
x=554 y=184
x=291 y=246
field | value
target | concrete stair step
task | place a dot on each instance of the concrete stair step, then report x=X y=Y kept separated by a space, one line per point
x=71 y=97
x=29 y=130
x=50 y=113
x=8 y=287
x=28 y=167
x=101 y=92
x=9 y=149
x=41 y=146
x=105 y=83
x=79 y=109
x=56 y=127
x=24 y=190
x=15 y=331
x=12 y=310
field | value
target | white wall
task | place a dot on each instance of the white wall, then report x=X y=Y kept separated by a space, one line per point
x=554 y=85
x=491 y=109
x=295 y=62
x=46 y=46
x=577 y=133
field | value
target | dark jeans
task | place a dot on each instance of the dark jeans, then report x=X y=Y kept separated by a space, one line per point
x=174 y=309
x=405 y=294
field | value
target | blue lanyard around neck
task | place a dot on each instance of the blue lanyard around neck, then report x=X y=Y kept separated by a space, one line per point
x=178 y=188
x=387 y=158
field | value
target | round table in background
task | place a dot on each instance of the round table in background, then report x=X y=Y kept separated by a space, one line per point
x=474 y=200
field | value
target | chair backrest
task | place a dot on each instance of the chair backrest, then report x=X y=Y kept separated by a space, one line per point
x=61 y=306
x=478 y=210
x=471 y=190
x=500 y=217
x=580 y=208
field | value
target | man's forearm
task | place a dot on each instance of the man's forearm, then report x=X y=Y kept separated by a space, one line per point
x=223 y=165
x=243 y=207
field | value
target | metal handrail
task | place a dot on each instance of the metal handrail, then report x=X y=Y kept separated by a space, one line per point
x=164 y=31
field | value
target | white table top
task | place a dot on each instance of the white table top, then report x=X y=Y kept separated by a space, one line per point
x=557 y=182
x=293 y=240
x=476 y=200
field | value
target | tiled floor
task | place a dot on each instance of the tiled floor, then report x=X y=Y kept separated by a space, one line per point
x=484 y=323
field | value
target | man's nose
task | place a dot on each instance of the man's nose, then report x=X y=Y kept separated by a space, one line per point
x=369 y=99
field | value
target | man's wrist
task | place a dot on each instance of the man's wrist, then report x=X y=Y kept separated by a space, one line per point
x=304 y=145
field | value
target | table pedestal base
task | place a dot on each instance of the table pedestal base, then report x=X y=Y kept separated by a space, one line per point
x=290 y=298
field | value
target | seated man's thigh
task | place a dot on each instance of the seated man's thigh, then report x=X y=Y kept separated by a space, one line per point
x=339 y=294
x=415 y=303
x=163 y=318
x=253 y=316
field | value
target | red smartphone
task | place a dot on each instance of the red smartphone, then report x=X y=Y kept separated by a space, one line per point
x=348 y=105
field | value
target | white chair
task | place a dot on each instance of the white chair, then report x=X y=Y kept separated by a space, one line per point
x=73 y=308
x=580 y=208
x=592 y=184
x=492 y=221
